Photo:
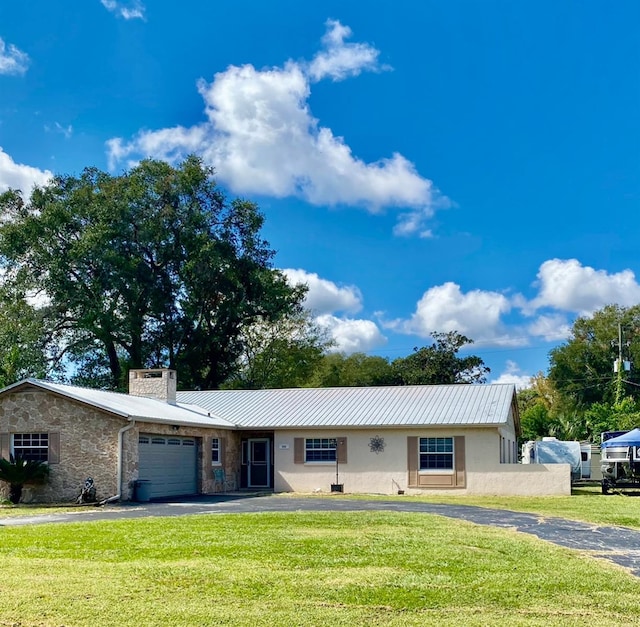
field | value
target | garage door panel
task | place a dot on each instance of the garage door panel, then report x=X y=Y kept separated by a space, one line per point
x=170 y=463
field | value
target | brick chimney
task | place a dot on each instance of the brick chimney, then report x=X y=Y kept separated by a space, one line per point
x=158 y=383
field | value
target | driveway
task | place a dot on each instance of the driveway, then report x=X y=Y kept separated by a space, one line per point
x=617 y=544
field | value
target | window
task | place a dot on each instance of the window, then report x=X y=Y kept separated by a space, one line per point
x=436 y=454
x=215 y=450
x=320 y=449
x=31 y=446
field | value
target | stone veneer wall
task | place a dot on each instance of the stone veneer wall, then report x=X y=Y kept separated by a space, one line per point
x=89 y=446
x=88 y=442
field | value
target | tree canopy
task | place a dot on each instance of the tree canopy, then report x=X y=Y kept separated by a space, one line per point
x=582 y=369
x=440 y=363
x=430 y=365
x=154 y=267
x=582 y=396
x=278 y=354
x=355 y=370
x=22 y=339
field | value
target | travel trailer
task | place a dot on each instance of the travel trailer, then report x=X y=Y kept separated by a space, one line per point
x=554 y=451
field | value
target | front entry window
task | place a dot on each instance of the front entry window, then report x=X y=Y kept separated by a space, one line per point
x=320 y=449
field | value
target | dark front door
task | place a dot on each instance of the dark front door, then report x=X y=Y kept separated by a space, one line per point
x=259 y=463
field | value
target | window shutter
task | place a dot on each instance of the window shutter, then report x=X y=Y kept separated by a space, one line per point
x=298 y=450
x=222 y=448
x=412 y=460
x=341 y=450
x=458 y=451
x=5 y=445
x=54 y=448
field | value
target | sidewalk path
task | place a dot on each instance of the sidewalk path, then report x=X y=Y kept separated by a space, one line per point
x=617 y=544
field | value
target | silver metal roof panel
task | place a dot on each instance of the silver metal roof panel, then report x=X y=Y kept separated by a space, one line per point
x=131 y=407
x=409 y=406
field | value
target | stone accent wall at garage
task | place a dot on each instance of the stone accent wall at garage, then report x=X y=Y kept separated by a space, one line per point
x=206 y=482
x=88 y=442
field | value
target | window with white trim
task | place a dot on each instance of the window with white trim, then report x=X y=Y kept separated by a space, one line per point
x=436 y=454
x=215 y=451
x=320 y=449
x=31 y=446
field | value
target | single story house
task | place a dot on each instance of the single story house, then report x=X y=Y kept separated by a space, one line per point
x=385 y=440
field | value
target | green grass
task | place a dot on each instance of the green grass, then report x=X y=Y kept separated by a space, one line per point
x=302 y=569
x=9 y=510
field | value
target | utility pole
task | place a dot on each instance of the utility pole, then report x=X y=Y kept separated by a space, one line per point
x=619 y=367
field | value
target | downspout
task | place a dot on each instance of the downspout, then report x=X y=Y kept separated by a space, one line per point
x=121 y=433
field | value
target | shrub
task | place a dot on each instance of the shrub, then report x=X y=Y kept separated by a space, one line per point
x=18 y=472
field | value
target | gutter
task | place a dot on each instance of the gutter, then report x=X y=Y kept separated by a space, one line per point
x=121 y=433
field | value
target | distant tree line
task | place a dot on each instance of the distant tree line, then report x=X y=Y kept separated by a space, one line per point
x=582 y=395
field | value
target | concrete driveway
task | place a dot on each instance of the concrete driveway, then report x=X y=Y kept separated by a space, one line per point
x=617 y=544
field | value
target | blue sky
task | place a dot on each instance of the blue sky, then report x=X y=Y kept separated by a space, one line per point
x=422 y=166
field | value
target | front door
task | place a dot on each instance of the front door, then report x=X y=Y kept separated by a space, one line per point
x=259 y=463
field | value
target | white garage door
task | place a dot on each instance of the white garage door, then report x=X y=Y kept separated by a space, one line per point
x=169 y=463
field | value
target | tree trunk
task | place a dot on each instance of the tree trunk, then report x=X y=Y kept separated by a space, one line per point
x=15 y=492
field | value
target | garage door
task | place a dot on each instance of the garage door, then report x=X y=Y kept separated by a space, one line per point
x=169 y=463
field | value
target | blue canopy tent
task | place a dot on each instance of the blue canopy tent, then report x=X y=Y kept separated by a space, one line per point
x=631 y=438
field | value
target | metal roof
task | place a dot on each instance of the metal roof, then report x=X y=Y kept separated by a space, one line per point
x=405 y=406
x=131 y=407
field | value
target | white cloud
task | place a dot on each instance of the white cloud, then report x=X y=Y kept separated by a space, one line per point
x=569 y=286
x=129 y=11
x=12 y=60
x=352 y=336
x=18 y=176
x=340 y=60
x=552 y=328
x=262 y=138
x=476 y=314
x=325 y=296
x=512 y=374
x=67 y=131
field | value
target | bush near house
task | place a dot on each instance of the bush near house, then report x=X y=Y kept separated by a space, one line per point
x=18 y=472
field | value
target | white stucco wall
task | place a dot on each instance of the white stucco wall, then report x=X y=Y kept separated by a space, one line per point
x=521 y=480
x=386 y=472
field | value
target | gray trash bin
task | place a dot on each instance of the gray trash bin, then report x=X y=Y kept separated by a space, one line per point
x=142 y=491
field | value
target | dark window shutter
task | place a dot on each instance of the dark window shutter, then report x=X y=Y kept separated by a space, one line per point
x=5 y=445
x=412 y=460
x=54 y=448
x=341 y=451
x=222 y=448
x=458 y=451
x=298 y=450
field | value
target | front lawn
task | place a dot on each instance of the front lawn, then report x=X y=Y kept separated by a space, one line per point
x=302 y=569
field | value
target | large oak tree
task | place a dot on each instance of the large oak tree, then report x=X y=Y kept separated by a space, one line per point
x=154 y=267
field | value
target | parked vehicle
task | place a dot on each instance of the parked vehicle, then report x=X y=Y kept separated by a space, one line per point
x=620 y=460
